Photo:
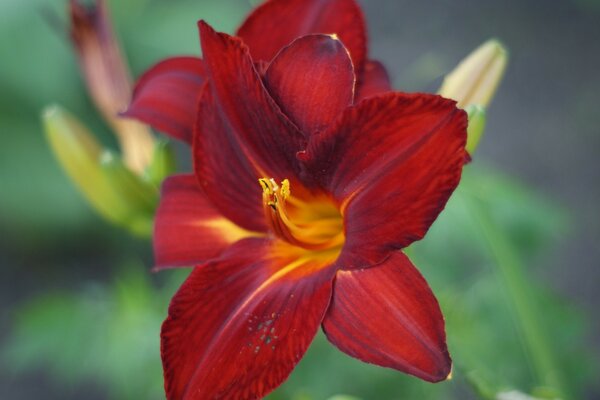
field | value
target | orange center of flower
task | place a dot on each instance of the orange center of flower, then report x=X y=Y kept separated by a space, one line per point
x=313 y=224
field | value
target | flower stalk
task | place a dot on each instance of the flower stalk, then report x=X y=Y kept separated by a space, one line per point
x=510 y=268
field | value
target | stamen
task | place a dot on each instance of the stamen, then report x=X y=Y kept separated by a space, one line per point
x=323 y=232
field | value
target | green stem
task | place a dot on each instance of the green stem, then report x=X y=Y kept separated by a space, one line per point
x=478 y=384
x=523 y=305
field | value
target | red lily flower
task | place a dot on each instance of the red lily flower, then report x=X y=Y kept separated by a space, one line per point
x=301 y=202
x=166 y=96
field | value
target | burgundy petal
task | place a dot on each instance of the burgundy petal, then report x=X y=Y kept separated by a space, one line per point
x=254 y=122
x=391 y=162
x=188 y=229
x=239 y=325
x=312 y=80
x=387 y=315
x=375 y=80
x=166 y=96
x=227 y=176
x=277 y=23
x=242 y=135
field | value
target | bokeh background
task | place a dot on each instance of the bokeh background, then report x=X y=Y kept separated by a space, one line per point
x=80 y=312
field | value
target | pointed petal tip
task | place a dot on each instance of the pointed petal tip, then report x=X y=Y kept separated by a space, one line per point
x=204 y=29
x=388 y=316
x=445 y=372
x=497 y=45
x=209 y=34
x=441 y=371
x=449 y=376
x=204 y=26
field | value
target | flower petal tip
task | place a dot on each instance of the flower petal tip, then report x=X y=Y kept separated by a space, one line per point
x=203 y=25
x=387 y=315
x=442 y=372
x=449 y=377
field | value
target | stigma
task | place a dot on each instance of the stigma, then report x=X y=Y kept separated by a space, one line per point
x=313 y=224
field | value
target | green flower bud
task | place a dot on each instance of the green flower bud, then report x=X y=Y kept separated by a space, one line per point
x=163 y=163
x=477 y=119
x=112 y=189
x=139 y=197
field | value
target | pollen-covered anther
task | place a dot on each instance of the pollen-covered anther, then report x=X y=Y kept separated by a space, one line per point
x=296 y=221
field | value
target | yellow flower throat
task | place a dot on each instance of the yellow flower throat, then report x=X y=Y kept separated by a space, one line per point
x=315 y=224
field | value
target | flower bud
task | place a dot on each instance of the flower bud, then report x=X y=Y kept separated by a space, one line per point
x=139 y=197
x=111 y=188
x=163 y=163
x=108 y=80
x=477 y=119
x=475 y=79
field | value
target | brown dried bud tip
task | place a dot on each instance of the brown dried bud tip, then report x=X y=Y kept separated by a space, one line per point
x=107 y=78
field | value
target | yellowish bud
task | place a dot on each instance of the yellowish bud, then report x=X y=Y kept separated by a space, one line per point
x=112 y=189
x=476 y=78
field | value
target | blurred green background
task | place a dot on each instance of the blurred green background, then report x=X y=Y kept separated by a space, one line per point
x=81 y=312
